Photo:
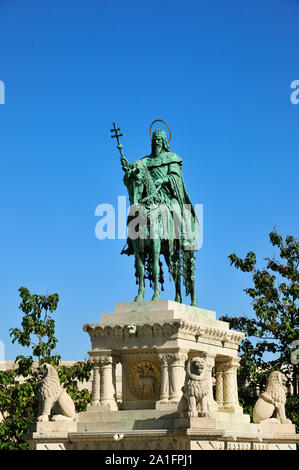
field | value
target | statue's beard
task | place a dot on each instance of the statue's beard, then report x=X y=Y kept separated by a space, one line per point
x=157 y=149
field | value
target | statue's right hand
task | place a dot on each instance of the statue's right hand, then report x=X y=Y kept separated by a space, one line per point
x=124 y=163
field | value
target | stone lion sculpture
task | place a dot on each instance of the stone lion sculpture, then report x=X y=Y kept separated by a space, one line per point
x=272 y=401
x=196 y=389
x=53 y=397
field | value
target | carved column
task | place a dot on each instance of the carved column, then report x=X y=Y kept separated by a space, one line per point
x=116 y=360
x=124 y=378
x=107 y=397
x=176 y=375
x=230 y=386
x=95 y=384
x=219 y=386
x=164 y=396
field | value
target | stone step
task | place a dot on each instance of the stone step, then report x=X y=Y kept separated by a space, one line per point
x=121 y=415
x=151 y=312
x=122 y=425
x=231 y=417
x=237 y=427
x=128 y=420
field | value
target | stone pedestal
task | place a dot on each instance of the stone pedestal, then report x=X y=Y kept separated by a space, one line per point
x=152 y=341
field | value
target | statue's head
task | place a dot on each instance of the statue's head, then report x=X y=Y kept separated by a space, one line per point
x=159 y=142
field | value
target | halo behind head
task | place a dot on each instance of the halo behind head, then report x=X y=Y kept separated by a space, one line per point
x=160 y=120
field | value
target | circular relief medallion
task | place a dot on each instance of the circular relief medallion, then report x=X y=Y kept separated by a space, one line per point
x=145 y=380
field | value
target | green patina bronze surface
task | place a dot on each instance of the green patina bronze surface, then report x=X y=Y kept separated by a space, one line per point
x=162 y=219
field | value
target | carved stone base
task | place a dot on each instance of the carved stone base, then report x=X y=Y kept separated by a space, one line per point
x=277 y=428
x=166 y=405
x=196 y=423
x=108 y=406
x=157 y=430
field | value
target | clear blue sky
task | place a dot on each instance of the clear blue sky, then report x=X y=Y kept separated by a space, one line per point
x=218 y=72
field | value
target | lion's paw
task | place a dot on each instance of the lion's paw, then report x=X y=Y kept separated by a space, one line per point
x=43 y=418
x=61 y=418
x=286 y=421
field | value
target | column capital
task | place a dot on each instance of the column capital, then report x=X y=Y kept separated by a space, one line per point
x=163 y=358
x=177 y=358
x=100 y=356
x=229 y=365
x=95 y=362
x=105 y=360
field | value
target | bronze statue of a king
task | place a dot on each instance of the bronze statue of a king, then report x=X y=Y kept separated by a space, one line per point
x=162 y=219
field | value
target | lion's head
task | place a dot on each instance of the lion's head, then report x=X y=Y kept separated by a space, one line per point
x=49 y=385
x=198 y=365
x=196 y=368
x=276 y=387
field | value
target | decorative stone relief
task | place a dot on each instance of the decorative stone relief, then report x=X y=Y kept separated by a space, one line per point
x=157 y=329
x=145 y=380
x=238 y=446
x=118 y=331
x=131 y=329
x=147 y=330
x=260 y=446
x=208 y=445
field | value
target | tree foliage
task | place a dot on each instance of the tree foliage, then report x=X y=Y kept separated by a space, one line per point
x=273 y=327
x=18 y=387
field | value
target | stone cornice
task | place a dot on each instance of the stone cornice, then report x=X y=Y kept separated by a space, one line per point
x=166 y=329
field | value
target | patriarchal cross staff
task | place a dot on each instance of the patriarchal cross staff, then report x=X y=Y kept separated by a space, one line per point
x=115 y=130
x=124 y=161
